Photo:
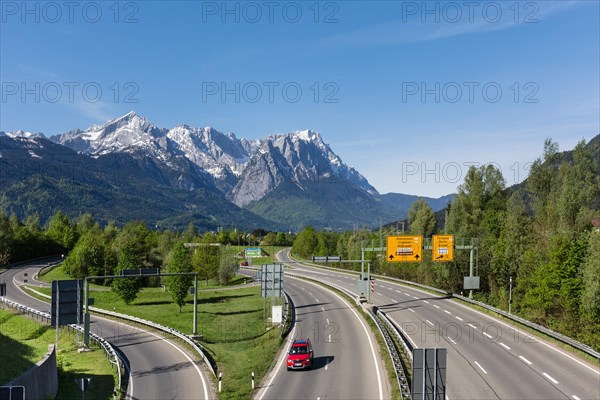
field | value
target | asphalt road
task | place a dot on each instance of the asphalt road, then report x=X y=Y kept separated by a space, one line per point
x=159 y=369
x=487 y=358
x=346 y=360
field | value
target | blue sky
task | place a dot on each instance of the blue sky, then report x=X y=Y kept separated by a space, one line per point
x=410 y=93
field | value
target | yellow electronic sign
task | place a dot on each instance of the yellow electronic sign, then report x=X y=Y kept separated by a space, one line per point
x=404 y=248
x=443 y=248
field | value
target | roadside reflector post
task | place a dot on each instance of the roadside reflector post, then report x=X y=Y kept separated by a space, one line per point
x=253 y=380
x=220 y=380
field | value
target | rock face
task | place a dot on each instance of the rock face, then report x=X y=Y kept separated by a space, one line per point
x=189 y=158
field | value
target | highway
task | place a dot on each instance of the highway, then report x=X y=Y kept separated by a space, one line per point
x=159 y=369
x=347 y=364
x=487 y=358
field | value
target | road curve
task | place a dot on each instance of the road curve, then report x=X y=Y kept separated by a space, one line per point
x=347 y=364
x=159 y=369
x=487 y=358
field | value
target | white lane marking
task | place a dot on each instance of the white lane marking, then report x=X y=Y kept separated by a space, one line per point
x=411 y=310
x=381 y=286
x=282 y=358
x=310 y=293
x=447 y=312
x=472 y=326
x=480 y=367
x=390 y=288
x=487 y=335
x=503 y=345
x=425 y=301
x=323 y=308
x=327 y=320
x=429 y=322
x=551 y=379
x=406 y=294
x=329 y=338
x=317 y=300
x=526 y=360
x=398 y=291
x=436 y=306
x=452 y=340
x=575 y=397
x=537 y=339
x=458 y=318
x=415 y=297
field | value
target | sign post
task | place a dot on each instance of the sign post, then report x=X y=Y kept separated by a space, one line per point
x=404 y=248
x=443 y=248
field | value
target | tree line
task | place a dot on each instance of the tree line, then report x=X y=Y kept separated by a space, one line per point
x=539 y=233
x=93 y=250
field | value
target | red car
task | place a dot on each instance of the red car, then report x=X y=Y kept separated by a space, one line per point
x=300 y=355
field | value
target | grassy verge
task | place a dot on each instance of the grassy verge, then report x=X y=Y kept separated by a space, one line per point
x=231 y=322
x=23 y=342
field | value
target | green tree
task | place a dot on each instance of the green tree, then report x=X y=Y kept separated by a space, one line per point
x=421 y=218
x=590 y=299
x=128 y=288
x=269 y=239
x=6 y=239
x=306 y=242
x=179 y=261
x=61 y=231
x=227 y=268
x=206 y=260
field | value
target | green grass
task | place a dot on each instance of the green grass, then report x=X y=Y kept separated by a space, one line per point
x=55 y=274
x=231 y=322
x=23 y=342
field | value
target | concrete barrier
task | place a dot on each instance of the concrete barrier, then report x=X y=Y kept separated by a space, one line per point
x=41 y=381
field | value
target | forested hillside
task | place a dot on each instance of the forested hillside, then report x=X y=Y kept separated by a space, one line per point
x=540 y=233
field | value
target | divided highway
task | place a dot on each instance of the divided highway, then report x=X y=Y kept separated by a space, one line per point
x=160 y=369
x=487 y=358
x=347 y=364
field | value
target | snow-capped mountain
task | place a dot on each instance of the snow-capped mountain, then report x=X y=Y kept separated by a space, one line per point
x=245 y=171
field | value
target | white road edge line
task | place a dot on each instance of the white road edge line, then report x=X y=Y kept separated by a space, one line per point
x=551 y=379
x=278 y=367
x=189 y=358
x=480 y=367
x=575 y=397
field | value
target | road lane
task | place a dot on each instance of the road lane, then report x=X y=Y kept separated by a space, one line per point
x=485 y=355
x=159 y=369
x=344 y=364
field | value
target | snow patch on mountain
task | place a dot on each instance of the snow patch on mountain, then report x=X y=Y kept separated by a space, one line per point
x=243 y=170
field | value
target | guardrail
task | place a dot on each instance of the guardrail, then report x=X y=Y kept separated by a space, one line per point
x=195 y=345
x=291 y=311
x=112 y=355
x=547 y=331
x=387 y=331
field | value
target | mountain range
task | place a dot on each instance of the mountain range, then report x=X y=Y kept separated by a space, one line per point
x=129 y=168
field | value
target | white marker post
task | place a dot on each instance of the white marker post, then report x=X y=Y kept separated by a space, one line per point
x=220 y=379
x=252 y=380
